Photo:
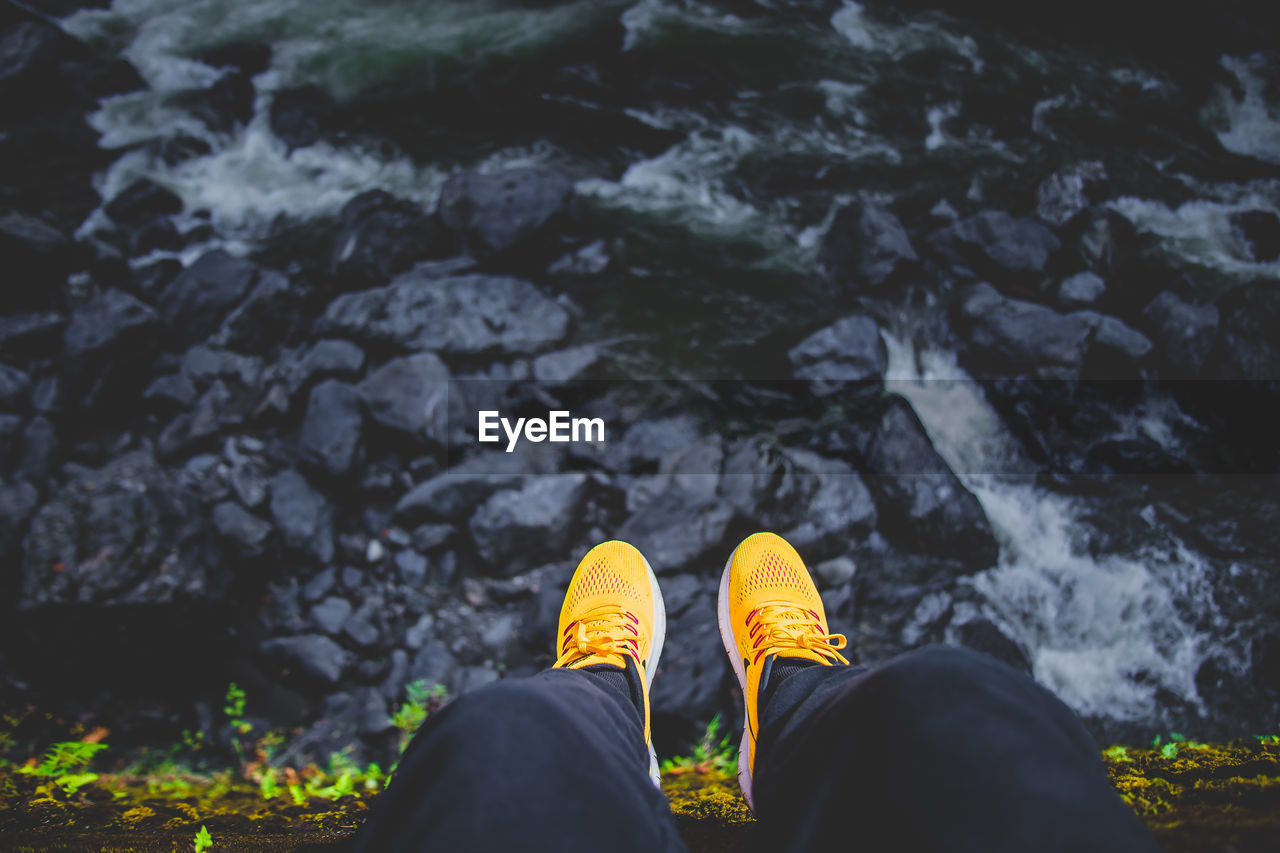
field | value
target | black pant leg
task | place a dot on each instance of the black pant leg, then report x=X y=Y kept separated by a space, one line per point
x=556 y=761
x=940 y=749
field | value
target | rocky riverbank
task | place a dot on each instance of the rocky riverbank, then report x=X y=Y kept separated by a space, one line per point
x=225 y=459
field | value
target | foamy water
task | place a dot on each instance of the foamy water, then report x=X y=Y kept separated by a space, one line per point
x=1104 y=631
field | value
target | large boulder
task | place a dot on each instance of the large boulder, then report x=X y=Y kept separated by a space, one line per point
x=996 y=246
x=194 y=304
x=410 y=394
x=314 y=656
x=303 y=515
x=121 y=534
x=865 y=245
x=465 y=315
x=379 y=236
x=1184 y=331
x=1013 y=337
x=518 y=529
x=1248 y=347
x=506 y=211
x=850 y=350
x=109 y=322
x=38 y=257
x=922 y=505
x=332 y=428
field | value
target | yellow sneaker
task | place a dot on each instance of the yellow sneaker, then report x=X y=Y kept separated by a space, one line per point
x=613 y=613
x=769 y=608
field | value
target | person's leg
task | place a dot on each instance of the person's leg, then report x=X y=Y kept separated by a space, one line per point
x=940 y=749
x=556 y=761
x=559 y=761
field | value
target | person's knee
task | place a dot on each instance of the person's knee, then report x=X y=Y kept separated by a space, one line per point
x=511 y=703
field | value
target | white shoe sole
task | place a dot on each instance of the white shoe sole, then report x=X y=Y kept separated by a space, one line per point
x=731 y=647
x=659 y=637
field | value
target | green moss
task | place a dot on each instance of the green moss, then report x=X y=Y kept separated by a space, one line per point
x=1194 y=797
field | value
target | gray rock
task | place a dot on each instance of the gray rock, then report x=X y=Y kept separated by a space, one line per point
x=500 y=635
x=194 y=304
x=412 y=567
x=463 y=315
x=331 y=614
x=241 y=526
x=268 y=315
x=838 y=511
x=454 y=493
x=678 y=527
x=360 y=628
x=246 y=474
x=835 y=572
x=318 y=587
x=313 y=654
x=418 y=635
x=378 y=236
x=46 y=396
x=15 y=386
x=397 y=677
x=328 y=359
x=499 y=212
x=1247 y=342
x=428 y=536
x=865 y=245
x=695 y=670
x=281 y=610
x=18 y=500
x=33 y=333
x=40 y=448
x=109 y=322
x=1002 y=333
x=1113 y=340
x=432 y=664
x=10 y=432
x=565 y=365
x=647 y=443
x=921 y=503
x=1184 y=331
x=1081 y=290
x=996 y=245
x=41 y=252
x=850 y=350
x=203 y=365
x=591 y=259
x=304 y=516
x=122 y=534
x=411 y=395
x=352 y=578
x=1062 y=195
x=176 y=388
x=332 y=427
x=517 y=529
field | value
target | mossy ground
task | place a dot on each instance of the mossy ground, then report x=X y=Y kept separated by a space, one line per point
x=1194 y=797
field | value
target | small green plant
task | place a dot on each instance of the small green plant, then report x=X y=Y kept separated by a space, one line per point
x=234 y=709
x=1117 y=753
x=419 y=702
x=67 y=764
x=712 y=753
x=203 y=840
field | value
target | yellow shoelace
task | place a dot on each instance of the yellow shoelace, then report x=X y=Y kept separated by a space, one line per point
x=778 y=627
x=606 y=631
